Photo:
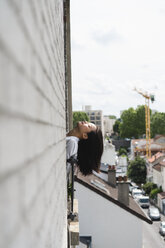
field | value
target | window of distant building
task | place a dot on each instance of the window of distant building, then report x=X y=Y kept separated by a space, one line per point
x=98 y=123
x=92 y=118
x=97 y=117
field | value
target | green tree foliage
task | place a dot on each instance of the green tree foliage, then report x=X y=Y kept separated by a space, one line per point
x=157 y=123
x=137 y=170
x=148 y=187
x=112 y=117
x=116 y=126
x=79 y=116
x=122 y=151
x=133 y=123
x=154 y=192
x=140 y=120
x=127 y=126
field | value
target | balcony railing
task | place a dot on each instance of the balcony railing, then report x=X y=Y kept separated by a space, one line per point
x=70 y=181
x=73 y=223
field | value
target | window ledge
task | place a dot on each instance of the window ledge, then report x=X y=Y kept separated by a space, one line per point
x=74 y=226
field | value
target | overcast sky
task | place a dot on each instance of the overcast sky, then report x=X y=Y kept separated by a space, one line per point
x=117 y=45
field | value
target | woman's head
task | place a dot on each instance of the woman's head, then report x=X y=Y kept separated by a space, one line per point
x=90 y=148
x=84 y=127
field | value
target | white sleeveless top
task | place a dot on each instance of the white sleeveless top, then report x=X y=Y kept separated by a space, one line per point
x=71 y=146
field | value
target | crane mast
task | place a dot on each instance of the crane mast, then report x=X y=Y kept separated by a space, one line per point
x=147 y=119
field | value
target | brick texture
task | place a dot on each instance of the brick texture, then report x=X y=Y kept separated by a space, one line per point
x=32 y=125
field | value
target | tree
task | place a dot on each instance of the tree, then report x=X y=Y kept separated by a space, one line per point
x=128 y=124
x=122 y=151
x=133 y=123
x=137 y=170
x=154 y=192
x=112 y=117
x=148 y=187
x=140 y=120
x=79 y=116
x=116 y=126
x=157 y=123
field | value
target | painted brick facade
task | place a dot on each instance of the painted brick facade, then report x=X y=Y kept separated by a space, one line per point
x=32 y=125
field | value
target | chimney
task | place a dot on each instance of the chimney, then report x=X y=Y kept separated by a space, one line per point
x=123 y=190
x=112 y=176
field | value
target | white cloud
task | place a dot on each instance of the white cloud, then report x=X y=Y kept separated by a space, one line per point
x=77 y=45
x=117 y=45
x=106 y=37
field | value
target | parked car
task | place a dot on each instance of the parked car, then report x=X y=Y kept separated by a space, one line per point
x=130 y=189
x=144 y=201
x=154 y=213
x=136 y=193
x=162 y=228
x=132 y=186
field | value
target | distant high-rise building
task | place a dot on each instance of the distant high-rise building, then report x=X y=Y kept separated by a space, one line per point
x=95 y=116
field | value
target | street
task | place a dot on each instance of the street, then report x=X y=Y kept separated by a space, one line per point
x=151 y=236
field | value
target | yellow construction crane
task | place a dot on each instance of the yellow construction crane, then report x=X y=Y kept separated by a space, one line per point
x=147 y=97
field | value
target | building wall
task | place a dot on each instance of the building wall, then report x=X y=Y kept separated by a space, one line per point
x=67 y=59
x=122 y=161
x=109 y=155
x=163 y=178
x=149 y=171
x=108 y=224
x=32 y=125
x=157 y=177
x=108 y=125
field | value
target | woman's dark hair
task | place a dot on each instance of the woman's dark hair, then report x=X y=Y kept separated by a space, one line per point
x=89 y=152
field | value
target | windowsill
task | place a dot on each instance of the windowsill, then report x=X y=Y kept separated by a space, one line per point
x=74 y=226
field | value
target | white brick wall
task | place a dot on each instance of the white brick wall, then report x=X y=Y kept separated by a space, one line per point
x=32 y=125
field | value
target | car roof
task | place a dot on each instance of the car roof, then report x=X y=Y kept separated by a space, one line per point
x=136 y=190
x=153 y=208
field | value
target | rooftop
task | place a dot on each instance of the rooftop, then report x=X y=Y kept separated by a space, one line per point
x=162 y=195
x=157 y=167
x=101 y=187
x=157 y=144
x=119 y=170
x=155 y=157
